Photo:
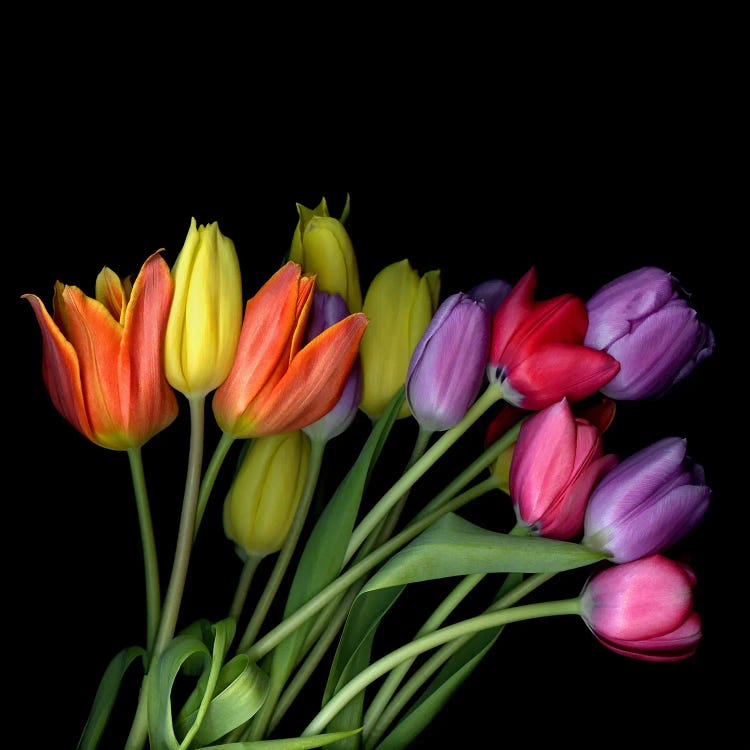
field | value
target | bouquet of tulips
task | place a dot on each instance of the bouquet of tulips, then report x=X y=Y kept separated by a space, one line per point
x=284 y=375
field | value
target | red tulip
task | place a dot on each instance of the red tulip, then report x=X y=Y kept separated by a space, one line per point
x=276 y=384
x=537 y=354
x=102 y=358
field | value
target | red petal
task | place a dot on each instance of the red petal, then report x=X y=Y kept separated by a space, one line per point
x=511 y=313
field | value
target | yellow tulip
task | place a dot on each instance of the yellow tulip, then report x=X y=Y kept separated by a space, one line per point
x=261 y=503
x=322 y=246
x=206 y=314
x=399 y=305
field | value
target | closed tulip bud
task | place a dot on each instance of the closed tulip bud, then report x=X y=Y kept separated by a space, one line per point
x=328 y=309
x=647 y=503
x=644 y=609
x=644 y=321
x=537 y=354
x=399 y=305
x=448 y=365
x=102 y=358
x=556 y=462
x=265 y=492
x=206 y=314
x=322 y=246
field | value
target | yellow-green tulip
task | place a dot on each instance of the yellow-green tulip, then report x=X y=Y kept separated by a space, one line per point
x=399 y=305
x=206 y=314
x=322 y=246
x=261 y=503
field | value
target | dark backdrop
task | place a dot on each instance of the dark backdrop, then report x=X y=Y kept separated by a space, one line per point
x=584 y=183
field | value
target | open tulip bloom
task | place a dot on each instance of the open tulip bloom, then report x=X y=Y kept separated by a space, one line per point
x=301 y=375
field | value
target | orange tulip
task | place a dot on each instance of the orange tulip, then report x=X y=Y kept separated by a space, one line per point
x=102 y=358
x=276 y=384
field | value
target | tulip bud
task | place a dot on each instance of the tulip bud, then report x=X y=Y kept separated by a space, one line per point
x=206 y=314
x=448 y=365
x=399 y=305
x=265 y=492
x=326 y=310
x=557 y=460
x=643 y=609
x=647 y=503
x=322 y=246
x=644 y=321
x=491 y=292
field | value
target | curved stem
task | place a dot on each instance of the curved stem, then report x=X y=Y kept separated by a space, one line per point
x=150 y=562
x=490 y=396
x=290 y=544
x=246 y=577
x=436 y=619
x=379 y=724
x=430 y=641
x=176 y=587
x=212 y=471
x=340 y=584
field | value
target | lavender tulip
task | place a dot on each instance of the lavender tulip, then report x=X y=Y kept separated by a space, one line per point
x=448 y=364
x=327 y=309
x=646 y=503
x=491 y=292
x=644 y=321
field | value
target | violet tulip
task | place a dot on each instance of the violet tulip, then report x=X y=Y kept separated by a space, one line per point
x=491 y=292
x=644 y=609
x=647 y=503
x=644 y=321
x=448 y=364
x=556 y=462
x=327 y=309
x=537 y=354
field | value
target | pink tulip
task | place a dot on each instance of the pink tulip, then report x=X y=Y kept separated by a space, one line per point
x=557 y=460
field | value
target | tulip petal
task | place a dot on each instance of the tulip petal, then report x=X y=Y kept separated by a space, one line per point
x=111 y=293
x=512 y=311
x=60 y=370
x=556 y=371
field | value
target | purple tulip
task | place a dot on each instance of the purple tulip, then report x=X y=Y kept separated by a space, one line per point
x=326 y=310
x=647 y=502
x=491 y=292
x=448 y=364
x=644 y=609
x=644 y=321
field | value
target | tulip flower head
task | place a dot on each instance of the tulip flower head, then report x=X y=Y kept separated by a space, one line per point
x=276 y=384
x=647 y=503
x=265 y=492
x=644 y=609
x=206 y=314
x=399 y=305
x=102 y=357
x=556 y=462
x=448 y=365
x=322 y=246
x=644 y=321
x=537 y=354
x=328 y=309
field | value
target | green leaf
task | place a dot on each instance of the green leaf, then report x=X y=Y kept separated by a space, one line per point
x=292 y=743
x=106 y=695
x=323 y=556
x=453 y=546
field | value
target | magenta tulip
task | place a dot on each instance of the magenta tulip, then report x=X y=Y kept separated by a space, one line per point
x=647 y=503
x=644 y=321
x=556 y=462
x=644 y=609
x=537 y=354
x=448 y=365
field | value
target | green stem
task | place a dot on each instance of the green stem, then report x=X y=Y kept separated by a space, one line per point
x=491 y=395
x=290 y=544
x=340 y=584
x=150 y=562
x=425 y=643
x=243 y=586
x=376 y=725
x=436 y=619
x=212 y=471
x=176 y=587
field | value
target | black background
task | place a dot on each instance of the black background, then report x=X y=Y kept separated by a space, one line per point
x=584 y=171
